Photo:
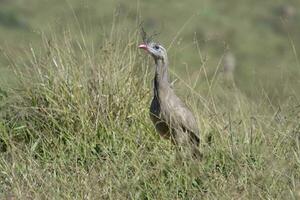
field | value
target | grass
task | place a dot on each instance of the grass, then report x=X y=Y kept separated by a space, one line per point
x=77 y=127
x=74 y=124
x=254 y=32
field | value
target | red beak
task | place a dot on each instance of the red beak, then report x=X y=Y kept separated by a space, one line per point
x=143 y=46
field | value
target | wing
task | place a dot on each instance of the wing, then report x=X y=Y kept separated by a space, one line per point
x=177 y=114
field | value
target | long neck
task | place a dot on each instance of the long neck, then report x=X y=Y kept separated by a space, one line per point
x=161 y=75
x=161 y=70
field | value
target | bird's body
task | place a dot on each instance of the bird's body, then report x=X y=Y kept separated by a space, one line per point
x=171 y=118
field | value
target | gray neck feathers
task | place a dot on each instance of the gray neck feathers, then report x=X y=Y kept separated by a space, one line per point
x=161 y=75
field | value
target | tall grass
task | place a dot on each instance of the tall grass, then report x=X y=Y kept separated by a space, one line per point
x=77 y=127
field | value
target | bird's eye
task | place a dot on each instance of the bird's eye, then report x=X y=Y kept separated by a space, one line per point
x=156 y=47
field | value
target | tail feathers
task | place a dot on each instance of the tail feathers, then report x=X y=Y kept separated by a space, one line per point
x=196 y=153
x=195 y=140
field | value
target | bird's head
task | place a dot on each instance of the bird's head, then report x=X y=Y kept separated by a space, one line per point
x=157 y=51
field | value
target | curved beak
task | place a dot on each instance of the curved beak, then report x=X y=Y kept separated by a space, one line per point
x=143 y=46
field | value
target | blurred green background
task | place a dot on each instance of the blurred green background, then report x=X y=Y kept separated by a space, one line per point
x=262 y=36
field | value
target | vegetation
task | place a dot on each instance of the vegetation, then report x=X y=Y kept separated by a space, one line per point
x=74 y=119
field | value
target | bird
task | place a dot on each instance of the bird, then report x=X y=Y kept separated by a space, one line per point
x=228 y=67
x=228 y=63
x=170 y=116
